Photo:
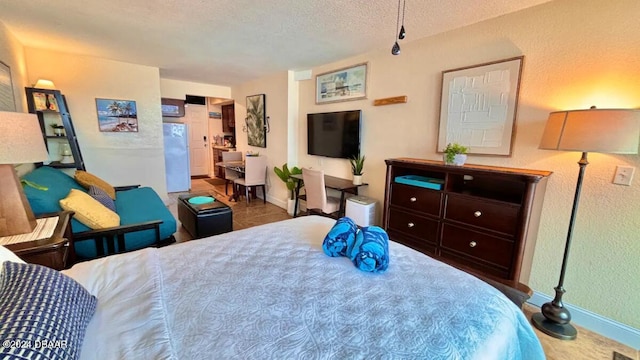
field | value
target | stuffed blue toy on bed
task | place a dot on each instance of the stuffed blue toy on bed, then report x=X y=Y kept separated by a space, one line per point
x=341 y=235
x=370 y=251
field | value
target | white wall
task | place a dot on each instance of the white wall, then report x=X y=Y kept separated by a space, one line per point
x=177 y=89
x=577 y=54
x=275 y=88
x=118 y=158
x=12 y=54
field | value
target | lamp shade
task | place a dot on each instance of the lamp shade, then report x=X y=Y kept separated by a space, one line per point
x=21 y=139
x=44 y=84
x=593 y=130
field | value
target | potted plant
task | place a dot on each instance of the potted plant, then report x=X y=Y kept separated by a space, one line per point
x=285 y=175
x=357 y=164
x=455 y=154
x=58 y=129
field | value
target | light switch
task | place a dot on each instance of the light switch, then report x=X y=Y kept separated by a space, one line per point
x=623 y=175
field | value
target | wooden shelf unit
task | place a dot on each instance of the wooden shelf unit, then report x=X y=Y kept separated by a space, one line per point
x=484 y=219
x=51 y=107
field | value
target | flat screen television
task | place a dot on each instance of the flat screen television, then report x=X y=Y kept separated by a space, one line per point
x=334 y=134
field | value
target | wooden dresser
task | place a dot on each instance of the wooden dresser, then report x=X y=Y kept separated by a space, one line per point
x=483 y=219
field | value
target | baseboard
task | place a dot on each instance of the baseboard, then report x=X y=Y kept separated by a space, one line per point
x=277 y=202
x=612 y=329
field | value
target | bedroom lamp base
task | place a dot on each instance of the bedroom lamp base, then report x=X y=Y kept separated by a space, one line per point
x=558 y=331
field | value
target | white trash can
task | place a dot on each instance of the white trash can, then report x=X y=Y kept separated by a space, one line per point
x=362 y=210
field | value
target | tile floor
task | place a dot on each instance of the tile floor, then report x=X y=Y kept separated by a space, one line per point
x=588 y=345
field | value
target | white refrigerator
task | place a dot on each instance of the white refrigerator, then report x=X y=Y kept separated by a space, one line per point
x=176 y=157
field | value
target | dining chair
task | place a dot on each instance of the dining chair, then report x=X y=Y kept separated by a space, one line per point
x=230 y=175
x=316 y=194
x=255 y=175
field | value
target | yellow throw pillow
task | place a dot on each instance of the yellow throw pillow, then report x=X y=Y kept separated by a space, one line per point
x=89 y=211
x=86 y=179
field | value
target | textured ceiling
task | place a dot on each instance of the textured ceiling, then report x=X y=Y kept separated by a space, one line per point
x=228 y=42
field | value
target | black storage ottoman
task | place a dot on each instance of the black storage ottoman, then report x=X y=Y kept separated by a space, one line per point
x=202 y=220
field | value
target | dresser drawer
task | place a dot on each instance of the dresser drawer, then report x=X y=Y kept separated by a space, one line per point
x=416 y=198
x=421 y=245
x=501 y=217
x=492 y=249
x=413 y=225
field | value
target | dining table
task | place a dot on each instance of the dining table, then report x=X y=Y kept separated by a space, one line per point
x=237 y=166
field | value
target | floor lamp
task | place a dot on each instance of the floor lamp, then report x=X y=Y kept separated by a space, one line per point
x=594 y=130
x=21 y=141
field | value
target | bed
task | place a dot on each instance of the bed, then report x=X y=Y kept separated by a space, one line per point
x=269 y=292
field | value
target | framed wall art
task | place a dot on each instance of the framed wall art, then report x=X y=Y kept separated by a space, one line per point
x=342 y=85
x=478 y=106
x=117 y=115
x=7 y=100
x=256 y=121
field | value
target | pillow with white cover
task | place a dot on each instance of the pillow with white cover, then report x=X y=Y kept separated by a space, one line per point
x=8 y=255
x=44 y=314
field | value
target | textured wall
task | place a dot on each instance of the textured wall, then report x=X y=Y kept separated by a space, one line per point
x=176 y=89
x=12 y=54
x=276 y=105
x=577 y=54
x=119 y=158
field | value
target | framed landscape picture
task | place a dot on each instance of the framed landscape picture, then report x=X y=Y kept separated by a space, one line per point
x=478 y=106
x=342 y=85
x=117 y=115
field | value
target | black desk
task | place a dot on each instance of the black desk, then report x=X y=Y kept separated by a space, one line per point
x=330 y=182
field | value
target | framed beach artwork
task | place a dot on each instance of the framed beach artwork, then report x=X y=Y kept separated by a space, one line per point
x=478 y=106
x=117 y=115
x=342 y=85
x=256 y=121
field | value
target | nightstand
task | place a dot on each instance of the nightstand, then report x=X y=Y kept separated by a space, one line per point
x=56 y=252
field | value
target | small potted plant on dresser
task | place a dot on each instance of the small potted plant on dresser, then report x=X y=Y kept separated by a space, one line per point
x=455 y=154
x=285 y=175
x=357 y=164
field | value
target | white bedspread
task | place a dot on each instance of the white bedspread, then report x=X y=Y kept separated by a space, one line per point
x=269 y=292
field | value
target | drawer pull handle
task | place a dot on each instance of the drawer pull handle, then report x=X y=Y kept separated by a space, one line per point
x=413 y=199
x=477 y=213
x=473 y=244
x=411 y=225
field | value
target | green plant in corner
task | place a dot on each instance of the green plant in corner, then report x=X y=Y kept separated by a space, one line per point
x=357 y=164
x=285 y=175
x=452 y=150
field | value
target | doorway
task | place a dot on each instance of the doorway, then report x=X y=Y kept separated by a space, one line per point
x=197 y=119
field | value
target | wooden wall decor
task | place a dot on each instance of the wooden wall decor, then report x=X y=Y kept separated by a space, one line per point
x=390 y=100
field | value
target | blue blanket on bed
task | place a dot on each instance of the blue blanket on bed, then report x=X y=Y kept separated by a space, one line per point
x=370 y=251
x=340 y=237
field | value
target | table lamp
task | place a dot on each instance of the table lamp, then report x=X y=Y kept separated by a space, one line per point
x=595 y=130
x=21 y=141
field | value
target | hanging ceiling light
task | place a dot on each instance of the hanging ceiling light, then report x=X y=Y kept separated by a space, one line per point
x=395 y=50
x=402 y=33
